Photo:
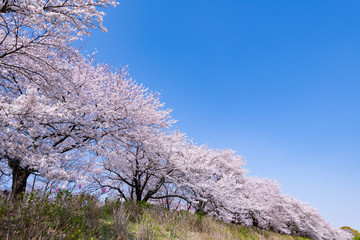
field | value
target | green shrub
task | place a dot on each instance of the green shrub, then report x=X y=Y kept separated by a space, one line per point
x=353 y=231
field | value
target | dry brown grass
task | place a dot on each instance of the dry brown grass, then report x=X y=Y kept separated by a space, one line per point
x=160 y=224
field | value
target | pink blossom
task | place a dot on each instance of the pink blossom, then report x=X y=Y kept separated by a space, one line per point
x=56 y=190
x=80 y=185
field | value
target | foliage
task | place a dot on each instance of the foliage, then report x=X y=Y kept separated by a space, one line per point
x=352 y=231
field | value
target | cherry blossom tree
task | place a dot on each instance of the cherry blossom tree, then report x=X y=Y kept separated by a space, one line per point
x=140 y=163
x=37 y=67
x=204 y=174
x=35 y=36
x=156 y=164
x=261 y=204
x=50 y=133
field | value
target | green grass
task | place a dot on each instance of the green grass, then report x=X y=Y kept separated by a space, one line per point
x=81 y=216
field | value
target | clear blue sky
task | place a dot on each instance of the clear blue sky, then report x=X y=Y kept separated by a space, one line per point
x=278 y=81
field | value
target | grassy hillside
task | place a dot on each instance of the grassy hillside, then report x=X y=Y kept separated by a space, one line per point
x=69 y=216
x=162 y=224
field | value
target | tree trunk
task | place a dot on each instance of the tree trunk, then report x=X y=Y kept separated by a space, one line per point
x=138 y=193
x=200 y=207
x=19 y=178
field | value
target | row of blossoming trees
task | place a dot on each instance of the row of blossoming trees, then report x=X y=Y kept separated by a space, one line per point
x=69 y=120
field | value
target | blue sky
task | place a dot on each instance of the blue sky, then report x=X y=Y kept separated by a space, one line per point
x=278 y=81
